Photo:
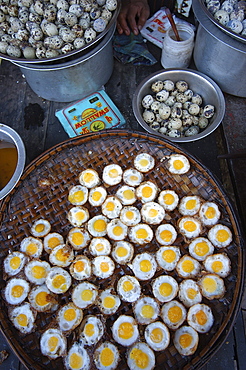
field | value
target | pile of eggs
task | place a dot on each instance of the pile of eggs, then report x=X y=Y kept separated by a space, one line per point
x=133 y=213
x=46 y=29
x=174 y=110
x=230 y=13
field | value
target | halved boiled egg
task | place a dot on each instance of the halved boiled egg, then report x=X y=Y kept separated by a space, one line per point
x=200 y=317
x=157 y=336
x=36 y=271
x=112 y=174
x=91 y=330
x=108 y=302
x=189 y=292
x=128 y=288
x=69 y=317
x=40 y=228
x=188 y=267
x=168 y=199
x=219 y=264
x=200 y=248
x=132 y=177
x=78 y=215
x=173 y=314
x=144 y=162
x=78 y=195
x=58 y=280
x=167 y=257
x=89 y=178
x=125 y=330
x=122 y=252
x=130 y=216
x=103 y=267
x=62 y=255
x=220 y=235
x=31 y=246
x=141 y=234
x=97 y=196
x=106 y=356
x=16 y=291
x=152 y=213
x=80 y=268
x=100 y=247
x=209 y=213
x=52 y=240
x=178 y=164
x=111 y=207
x=77 y=358
x=166 y=234
x=186 y=340
x=23 y=318
x=212 y=286
x=78 y=238
x=97 y=225
x=42 y=299
x=84 y=294
x=126 y=195
x=14 y=263
x=190 y=227
x=116 y=230
x=189 y=205
x=146 y=310
x=165 y=288
x=140 y=356
x=147 y=191
x=144 y=266
x=53 y=343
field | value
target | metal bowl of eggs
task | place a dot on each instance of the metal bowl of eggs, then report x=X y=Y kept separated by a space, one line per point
x=181 y=105
x=13 y=157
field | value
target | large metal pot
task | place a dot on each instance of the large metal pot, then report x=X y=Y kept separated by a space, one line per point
x=218 y=55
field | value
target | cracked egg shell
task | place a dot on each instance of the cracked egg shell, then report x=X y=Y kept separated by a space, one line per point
x=84 y=294
x=23 y=318
x=157 y=336
x=128 y=288
x=140 y=356
x=108 y=302
x=97 y=196
x=200 y=318
x=40 y=228
x=53 y=343
x=106 y=356
x=80 y=268
x=42 y=299
x=36 y=271
x=219 y=264
x=146 y=310
x=77 y=358
x=173 y=314
x=125 y=330
x=144 y=162
x=91 y=330
x=189 y=292
x=16 y=290
x=14 y=263
x=52 y=240
x=78 y=238
x=78 y=215
x=164 y=288
x=122 y=252
x=186 y=340
x=58 y=280
x=32 y=247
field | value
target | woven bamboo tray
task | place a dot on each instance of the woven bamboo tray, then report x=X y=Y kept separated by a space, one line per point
x=42 y=193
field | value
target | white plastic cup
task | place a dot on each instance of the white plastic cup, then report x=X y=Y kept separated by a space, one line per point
x=177 y=54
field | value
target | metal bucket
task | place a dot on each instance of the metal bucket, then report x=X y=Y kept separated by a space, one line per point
x=73 y=79
x=219 y=56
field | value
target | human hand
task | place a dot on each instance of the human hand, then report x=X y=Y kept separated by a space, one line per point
x=132 y=16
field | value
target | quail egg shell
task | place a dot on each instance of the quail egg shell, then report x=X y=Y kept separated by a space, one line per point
x=69 y=317
x=126 y=195
x=146 y=310
x=200 y=248
x=97 y=225
x=16 y=291
x=52 y=240
x=36 y=271
x=61 y=256
x=106 y=356
x=77 y=358
x=167 y=257
x=189 y=292
x=130 y=216
x=168 y=199
x=97 y=196
x=89 y=178
x=152 y=213
x=141 y=234
x=212 y=286
x=200 y=318
x=31 y=246
x=116 y=230
x=157 y=336
x=209 y=213
x=40 y=228
x=78 y=215
x=144 y=266
x=122 y=252
x=128 y=288
x=78 y=195
x=99 y=246
x=108 y=302
x=157 y=86
x=144 y=162
x=189 y=205
x=146 y=191
x=23 y=318
x=125 y=330
x=78 y=238
x=80 y=268
x=189 y=226
x=165 y=288
x=91 y=330
x=58 y=280
x=132 y=177
x=111 y=207
x=166 y=234
x=84 y=294
x=188 y=267
x=140 y=356
x=173 y=314
x=147 y=101
x=103 y=267
x=220 y=236
x=112 y=174
x=219 y=264
x=186 y=340
x=53 y=343
x=14 y=263
x=42 y=299
x=178 y=164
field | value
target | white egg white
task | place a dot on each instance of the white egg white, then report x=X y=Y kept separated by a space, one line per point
x=209 y=213
x=78 y=215
x=189 y=226
x=126 y=195
x=14 y=263
x=147 y=191
x=152 y=213
x=167 y=257
x=111 y=207
x=125 y=330
x=97 y=196
x=33 y=247
x=42 y=299
x=144 y=162
x=52 y=240
x=61 y=256
x=130 y=216
x=157 y=336
x=69 y=317
x=16 y=290
x=188 y=267
x=220 y=236
x=36 y=271
x=47 y=340
x=116 y=230
x=141 y=234
x=97 y=225
x=100 y=246
x=173 y=314
x=146 y=310
x=58 y=280
x=189 y=205
x=186 y=340
x=23 y=317
x=200 y=318
x=112 y=174
x=212 y=286
x=108 y=302
x=164 y=288
x=77 y=358
x=103 y=267
x=141 y=356
x=200 y=248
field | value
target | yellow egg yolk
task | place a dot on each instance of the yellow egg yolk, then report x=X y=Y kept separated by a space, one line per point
x=127 y=286
x=62 y=255
x=145 y=265
x=88 y=177
x=128 y=194
x=86 y=295
x=106 y=357
x=153 y=212
x=109 y=302
x=15 y=262
x=210 y=213
x=169 y=255
x=17 y=291
x=191 y=293
x=222 y=235
x=188 y=266
x=147 y=311
x=121 y=252
x=39 y=228
x=201 y=317
x=143 y=162
x=104 y=266
x=89 y=330
x=217 y=266
x=70 y=314
x=76 y=197
x=79 y=266
x=99 y=247
x=22 y=320
x=110 y=206
x=80 y=215
x=31 y=249
x=133 y=178
x=178 y=164
x=100 y=225
x=53 y=242
x=113 y=173
x=140 y=358
x=190 y=204
x=130 y=215
x=168 y=199
x=38 y=272
x=185 y=340
x=42 y=298
x=125 y=330
x=165 y=289
x=77 y=238
x=156 y=335
x=147 y=191
x=117 y=230
x=174 y=314
x=52 y=343
x=76 y=361
x=201 y=248
x=190 y=226
x=141 y=233
x=209 y=284
x=96 y=196
x=166 y=235
x=59 y=282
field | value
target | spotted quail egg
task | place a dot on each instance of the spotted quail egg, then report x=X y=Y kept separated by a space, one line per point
x=166 y=234
x=144 y=266
x=227 y=5
x=189 y=205
x=155 y=106
x=189 y=292
x=144 y=162
x=222 y=16
x=200 y=318
x=53 y=343
x=130 y=216
x=219 y=264
x=141 y=234
x=213 y=6
x=147 y=101
x=16 y=290
x=168 y=85
x=78 y=238
x=147 y=191
x=91 y=330
x=89 y=178
x=99 y=24
x=208 y=111
x=182 y=86
x=122 y=252
x=52 y=240
x=111 y=5
x=42 y=299
x=164 y=111
x=146 y=310
x=152 y=213
x=77 y=358
x=97 y=196
x=209 y=213
x=58 y=280
x=157 y=336
x=78 y=195
x=162 y=95
x=61 y=256
x=128 y=288
x=14 y=263
x=173 y=314
x=140 y=356
x=36 y=271
x=178 y=164
x=186 y=340
x=89 y=35
x=68 y=317
x=235 y=25
x=126 y=195
x=174 y=133
x=168 y=199
x=100 y=246
x=132 y=177
x=80 y=268
x=148 y=116
x=202 y=122
x=97 y=225
x=157 y=86
x=189 y=227
x=23 y=318
x=111 y=207
x=84 y=294
x=238 y=12
x=167 y=257
x=220 y=236
x=164 y=288
x=112 y=174
x=108 y=302
x=125 y=330
x=106 y=356
x=78 y=215
x=212 y=286
x=103 y=267
x=40 y=228
x=191 y=131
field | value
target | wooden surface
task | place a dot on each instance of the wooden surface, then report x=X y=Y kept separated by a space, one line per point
x=44 y=130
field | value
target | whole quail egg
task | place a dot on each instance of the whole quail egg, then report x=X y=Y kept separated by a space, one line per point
x=78 y=238
x=130 y=216
x=42 y=299
x=147 y=191
x=212 y=286
x=220 y=235
x=125 y=330
x=77 y=358
x=157 y=336
x=126 y=195
x=78 y=215
x=89 y=35
x=128 y=288
x=164 y=288
x=84 y=294
x=36 y=271
x=108 y=302
x=99 y=246
x=189 y=205
x=103 y=267
x=132 y=177
x=16 y=291
x=208 y=111
x=168 y=199
x=166 y=234
x=146 y=310
x=89 y=178
x=157 y=86
x=52 y=240
x=173 y=314
x=186 y=340
x=141 y=234
x=144 y=266
x=80 y=268
x=69 y=317
x=209 y=213
x=200 y=318
x=189 y=292
x=148 y=116
x=140 y=356
x=112 y=174
x=116 y=230
x=219 y=264
x=164 y=111
x=53 y=343
x=178 y=164
x=58 y=280
x=222 y=16
x=162 y=95
x=97 y=196
x=147 y=101
x=40 y=228
x=111 y=207
x=97 y=225
x=91 y=330
x=167 y=257
x=152 y=213
x=188 y=267
x=200 y=248
x=23 y=318
x=190 y=227
x=14 y=263
x=78 y=195
x=106 y=356
x=122 y=252
x=144 y=162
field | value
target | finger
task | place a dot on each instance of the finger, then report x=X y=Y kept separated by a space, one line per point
x=122 y=25
x=144 y=15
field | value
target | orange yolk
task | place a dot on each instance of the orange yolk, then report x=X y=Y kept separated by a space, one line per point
x=106 y=357
x=100 y=225
x=127 y=286
x=156 y=335
x=86 y=295
x=201 y=248
x=15 y=262
x=89 y=330
x=190 y=204
x=175 y=314
x=109 y=302
x=31 y=249
x=166 y=235
x=210 y=213
x=42 y=298
x=77 y=238
x=76 y=361
x=52 y=343
x=178 y=164
x=188 y=266
x=38 y=272
x=79 y=266
x=169 y=255
x=125 y=330
x=222 y=235
x=141 y=358
x=185 y=340
x=70 y=314
x=168 y=199
x=141 y=233
x=22 y=320
x=121 y=252
x=190 y=226
x=201 y=317
x=17 y=291
x=39 y=228
x=76 y=197
x=165 y=289
x=147 y=311
x=217 y=266
x=147 y=191
x=145 y=265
